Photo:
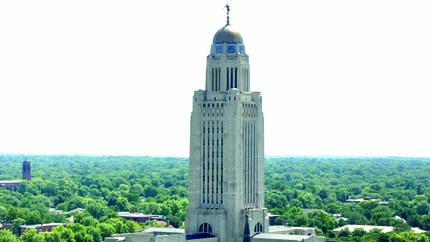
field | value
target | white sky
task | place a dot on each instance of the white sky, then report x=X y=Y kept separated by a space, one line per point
x=117 y=77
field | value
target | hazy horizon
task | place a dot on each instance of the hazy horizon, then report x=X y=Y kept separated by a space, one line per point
x=186 y=157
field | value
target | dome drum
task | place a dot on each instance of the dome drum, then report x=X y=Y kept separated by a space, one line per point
x=229 y=48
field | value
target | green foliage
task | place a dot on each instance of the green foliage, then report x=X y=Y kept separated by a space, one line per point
x=326 y=183
x=408 y=236
x=7 y=236
x=105 y=185
x=31 y=235
x=100 y=185
x=106 y=230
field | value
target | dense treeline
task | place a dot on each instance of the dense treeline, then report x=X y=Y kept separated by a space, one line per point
x=304 y=191
x=396 y=189
x=100 y=185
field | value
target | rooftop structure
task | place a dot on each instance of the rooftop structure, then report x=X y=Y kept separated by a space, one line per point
x=367 y=228
x=290 y=238
x=10 y=184
x=39 y=227
x=140 y=217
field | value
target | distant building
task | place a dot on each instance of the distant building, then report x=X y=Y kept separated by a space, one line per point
x=39 y=227
x=140 y=217
x=26 y=170
x=55 y=211
x=366 y=199
x=10 y=184
x=292 y=230
x=14 y=184
x=368 y=228
x=291 y=238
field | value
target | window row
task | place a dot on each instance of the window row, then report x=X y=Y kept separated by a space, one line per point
x=249 y=105
x=213 y=105
x=208 y=130
x=213 y=143
x=213 y=114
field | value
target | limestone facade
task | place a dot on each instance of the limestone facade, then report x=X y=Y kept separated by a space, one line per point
x=226 y=146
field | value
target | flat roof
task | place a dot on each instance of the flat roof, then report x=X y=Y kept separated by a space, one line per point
x=164 y=230
x=284 y=228
x=10 y=181
x=418 y=230
x=367 y=228
x=133 y=214
x=41 y=225
x=282 y=236
x=138 y=215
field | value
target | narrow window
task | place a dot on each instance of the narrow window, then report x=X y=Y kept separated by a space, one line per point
x=216 y=79
x=228 y=79
x=231 y=77
x=219 y=78
x=235 y=77
x=213 y=79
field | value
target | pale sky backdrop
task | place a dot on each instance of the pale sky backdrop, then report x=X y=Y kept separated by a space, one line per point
x=109 y=77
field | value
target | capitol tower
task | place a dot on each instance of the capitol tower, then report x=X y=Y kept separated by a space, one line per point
x=226 y=183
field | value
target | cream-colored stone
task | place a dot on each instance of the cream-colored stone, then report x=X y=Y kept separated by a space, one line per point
x=226 y=150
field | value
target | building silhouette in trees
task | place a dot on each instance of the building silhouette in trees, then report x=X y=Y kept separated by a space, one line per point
x=26 y=170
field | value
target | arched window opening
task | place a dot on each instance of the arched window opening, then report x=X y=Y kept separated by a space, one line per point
x=205 y=228
x=258 y=228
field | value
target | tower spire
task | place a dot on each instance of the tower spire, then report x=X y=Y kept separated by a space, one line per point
x=246 y=232
x=228 y=14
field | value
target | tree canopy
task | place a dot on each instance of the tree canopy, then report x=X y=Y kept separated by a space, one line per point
x=302 y=191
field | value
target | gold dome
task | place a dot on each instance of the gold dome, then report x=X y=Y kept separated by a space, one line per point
x=227 y=35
